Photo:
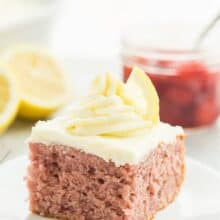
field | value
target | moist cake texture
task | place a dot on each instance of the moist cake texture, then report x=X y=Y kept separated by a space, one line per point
x=106 y=159
x=69 y=184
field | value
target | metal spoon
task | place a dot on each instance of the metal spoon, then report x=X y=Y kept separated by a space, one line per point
x=206 y=31
x=4 y=152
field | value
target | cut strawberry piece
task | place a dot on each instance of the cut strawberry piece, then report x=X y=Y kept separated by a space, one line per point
x=206 y=113
x=191 y=69
x=178 y=96
x=166 y=63
x=141 y=60
x=126 y=72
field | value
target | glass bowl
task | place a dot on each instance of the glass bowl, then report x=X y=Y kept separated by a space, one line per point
x=187 y=80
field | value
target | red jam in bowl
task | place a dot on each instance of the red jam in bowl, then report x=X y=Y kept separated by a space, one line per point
x=189 y=91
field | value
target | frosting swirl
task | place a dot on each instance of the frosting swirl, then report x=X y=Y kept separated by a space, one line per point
x=107 y=111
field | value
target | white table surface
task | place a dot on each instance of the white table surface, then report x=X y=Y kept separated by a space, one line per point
x=202 y=145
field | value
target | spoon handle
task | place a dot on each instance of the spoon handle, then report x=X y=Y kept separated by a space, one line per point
x=206 y=31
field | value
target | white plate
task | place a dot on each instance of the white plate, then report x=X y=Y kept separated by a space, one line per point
x=199 y=198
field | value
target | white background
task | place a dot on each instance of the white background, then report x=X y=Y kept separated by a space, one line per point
x=86 y=28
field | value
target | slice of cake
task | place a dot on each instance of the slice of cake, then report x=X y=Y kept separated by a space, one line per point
x=109 y=158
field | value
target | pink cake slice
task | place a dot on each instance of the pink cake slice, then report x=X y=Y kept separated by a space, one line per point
x=109 y=158
x=67 y=183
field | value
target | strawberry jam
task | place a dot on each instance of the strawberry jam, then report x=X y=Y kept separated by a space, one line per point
x=189 y=90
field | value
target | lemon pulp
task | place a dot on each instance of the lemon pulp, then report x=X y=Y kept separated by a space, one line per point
x=9 y=101
x=4 y=93
x=39 y=79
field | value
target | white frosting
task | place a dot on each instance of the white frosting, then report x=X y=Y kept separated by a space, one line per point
x=117 y=121
x=121 y=150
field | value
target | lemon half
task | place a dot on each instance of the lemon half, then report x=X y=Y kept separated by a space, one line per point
x=40 y=81
x=9 y=101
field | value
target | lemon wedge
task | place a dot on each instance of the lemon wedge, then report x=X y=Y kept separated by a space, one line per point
x=140 y=92
x=9 y=101
x=39 y=79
